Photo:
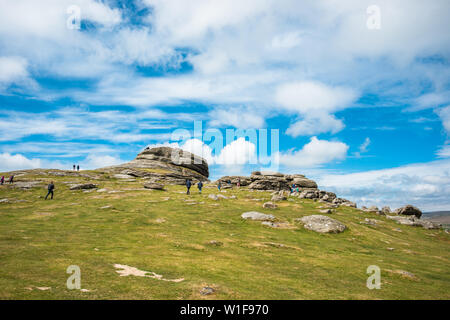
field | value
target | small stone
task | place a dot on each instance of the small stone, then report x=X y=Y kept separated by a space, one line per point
x=269 y=205
x=207 y=291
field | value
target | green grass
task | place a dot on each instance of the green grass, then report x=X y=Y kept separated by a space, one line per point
x=40 y=239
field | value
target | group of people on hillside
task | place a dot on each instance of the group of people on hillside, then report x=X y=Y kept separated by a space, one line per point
x=189 y=185
x=295 y=188
x=76 y=167
x=11 y=180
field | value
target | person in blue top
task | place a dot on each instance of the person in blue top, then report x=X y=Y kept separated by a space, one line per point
x=188 y=186
x=200 y=186
x=219 y=185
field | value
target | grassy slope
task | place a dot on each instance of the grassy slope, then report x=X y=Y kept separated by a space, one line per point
x=40 y=239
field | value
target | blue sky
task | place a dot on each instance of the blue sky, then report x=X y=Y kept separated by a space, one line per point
x=364 y=111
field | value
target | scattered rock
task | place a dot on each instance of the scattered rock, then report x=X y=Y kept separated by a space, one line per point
x=326 y=211
x=4 y=200
x=269 y=205
x=412 y=221
x=123 y=176
x=102 y=190
x=154 y=186
x=322 y=224
x=43 y=288
x=124 y=271
x=253 y=215
x=213 y=197
x=215 y=243
x=83 y=186
x=207 y=291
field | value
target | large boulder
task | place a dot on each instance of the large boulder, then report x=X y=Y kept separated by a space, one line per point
x=409 y=210
x=163 y=164
x=322 y=224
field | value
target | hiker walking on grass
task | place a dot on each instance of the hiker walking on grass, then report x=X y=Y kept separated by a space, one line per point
x=219 y=185
x=50 y=188
x=2 y=181
x=78 y=167
x=200 y=186
x=11 y=179
x=188 y=186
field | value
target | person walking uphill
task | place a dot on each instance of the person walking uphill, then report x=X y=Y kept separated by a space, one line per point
x=200 y=186
x=50 y=188
x=11 y=179
x=188 y=186
x=2 y=180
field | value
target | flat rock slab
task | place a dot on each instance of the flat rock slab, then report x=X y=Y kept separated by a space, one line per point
x=83 y=186
x=412 y=221
x=124 y=271
x=322 y=224
x=123 y=176
x=258 y=216
x=154 y=186
x=270 y=205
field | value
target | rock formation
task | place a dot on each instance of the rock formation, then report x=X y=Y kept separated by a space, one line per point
x=281 y=183
x=163 y=164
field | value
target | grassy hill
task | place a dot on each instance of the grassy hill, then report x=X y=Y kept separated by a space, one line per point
x=206 y=243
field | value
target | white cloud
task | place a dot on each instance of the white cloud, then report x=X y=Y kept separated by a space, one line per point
x=315 y=153
x=95 y=161
x=363 y=147
x=9 y=162
x=444 y=152
x=444 y=114
x=314 y=101
x=14 y=70
x=426 y=185
x=314 y=97
x=237 y=117
x=311 y=125
x=238 y=152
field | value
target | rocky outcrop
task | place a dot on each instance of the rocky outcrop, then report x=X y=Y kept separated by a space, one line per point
x=413 y=221
x=163 y=164
x=409 y=210
x=267 y=180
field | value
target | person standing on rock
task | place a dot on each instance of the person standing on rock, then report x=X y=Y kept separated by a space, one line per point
x=238 y=184
x=73 y=167
x=11 y=179
x=2 y=181
x=188 y=186
x=50 y=189
x=78 y=167
x=200 y=186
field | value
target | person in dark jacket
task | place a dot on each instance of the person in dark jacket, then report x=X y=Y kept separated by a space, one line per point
x=73 y=167
x=188 y=186
x=11 y=179
x=50 y=188
x=2 y=180
x=78 y=167
x=200 y=186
